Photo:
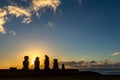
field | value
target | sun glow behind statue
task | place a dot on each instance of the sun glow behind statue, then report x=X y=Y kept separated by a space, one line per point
x=32 y=62
x=33 y=53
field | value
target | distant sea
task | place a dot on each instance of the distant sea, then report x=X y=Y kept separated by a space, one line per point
x=104 y=71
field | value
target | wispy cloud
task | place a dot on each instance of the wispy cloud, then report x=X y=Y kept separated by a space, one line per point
x=20 y=12
x=13 y=33
x=51 y=24
x=116 y=54
x=17 y=11
x=25 y=12
x=80 y=2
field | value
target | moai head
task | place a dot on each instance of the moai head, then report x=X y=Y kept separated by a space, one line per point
x=37 y=59
x=26 y=58
x=46 y=57
x=55 y=61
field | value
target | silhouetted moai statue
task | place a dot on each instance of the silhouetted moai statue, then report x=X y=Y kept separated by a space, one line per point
x=63 y=67
x=55 y=65
x=36 y=64
x=26 y=63
x=46 y=63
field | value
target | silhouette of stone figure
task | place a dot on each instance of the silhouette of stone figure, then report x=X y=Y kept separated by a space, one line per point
x=26 y=63
x=46 y=63
x=55 y=65
x=36 y=64
x=63 y=67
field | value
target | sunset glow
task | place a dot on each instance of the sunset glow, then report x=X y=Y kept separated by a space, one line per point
x=33 y=53
x=32 y=62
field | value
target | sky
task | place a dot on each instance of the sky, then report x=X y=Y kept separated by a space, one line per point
x=69 y=30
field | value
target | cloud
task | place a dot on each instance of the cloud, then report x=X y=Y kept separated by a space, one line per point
x=50 y=24
x=3 y=19
x=27 y=20
x=80 y=1
x=106 y=64
x=70 y=64
x=13 y=33
x=25 y=12
x=20 y=12
x=17 y=11
x=38 y=4
x=116 y=54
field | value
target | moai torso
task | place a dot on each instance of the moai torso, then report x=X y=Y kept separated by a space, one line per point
x=46 y=62
x=36 y=64
x=26 y=63
x=63 y=67
x=55 y=65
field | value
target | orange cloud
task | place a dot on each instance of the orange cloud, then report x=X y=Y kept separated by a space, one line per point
x=3 y=13
x=19 y=12
x=25 y=13
x=38 y=4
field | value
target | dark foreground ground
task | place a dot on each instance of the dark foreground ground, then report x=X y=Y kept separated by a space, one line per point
x=63 y=78
x=55 y=75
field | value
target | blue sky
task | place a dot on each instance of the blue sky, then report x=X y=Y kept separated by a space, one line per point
x=69 y=30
